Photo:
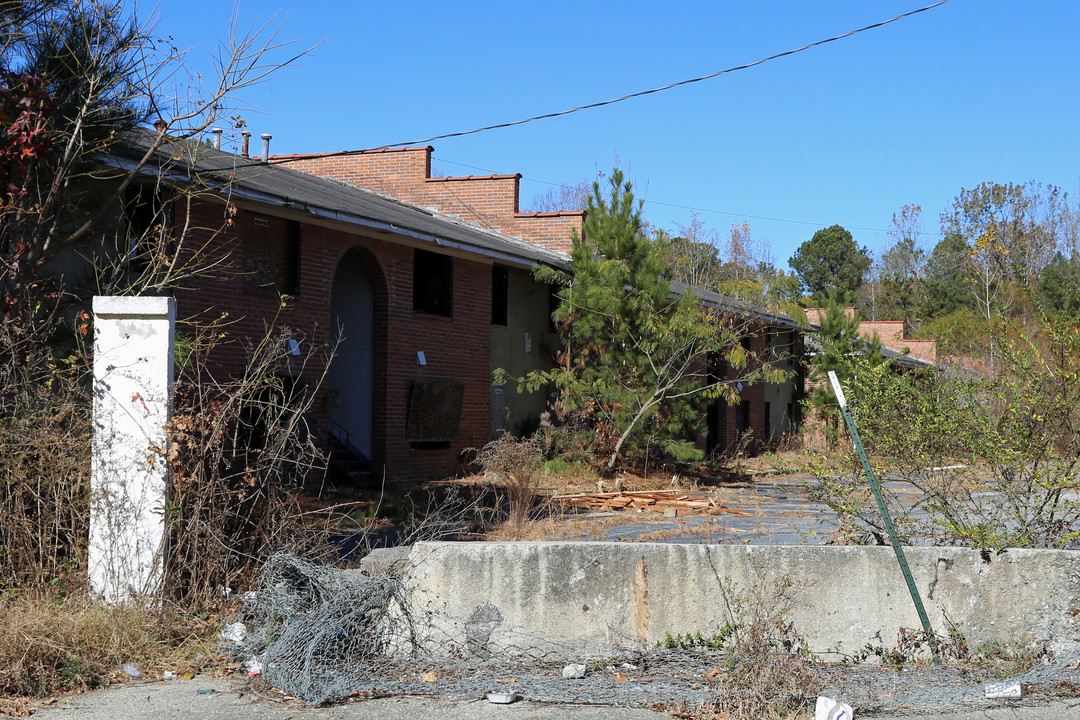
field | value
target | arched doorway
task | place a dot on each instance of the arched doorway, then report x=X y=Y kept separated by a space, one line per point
x=352 y=314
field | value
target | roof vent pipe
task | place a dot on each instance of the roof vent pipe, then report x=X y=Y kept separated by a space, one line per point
x=266 y=146
x=244 y=144
x=217 y=138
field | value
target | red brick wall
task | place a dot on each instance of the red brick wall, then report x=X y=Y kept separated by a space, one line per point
x=890 y=332
x=456 y=348
x=488 y=201
x=921 y=349
x=395 y=172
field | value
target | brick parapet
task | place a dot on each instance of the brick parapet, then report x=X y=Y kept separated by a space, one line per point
x=487 y=201
x=889 y=332
x=925 y=350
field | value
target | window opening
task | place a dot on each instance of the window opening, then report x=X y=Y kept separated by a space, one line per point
x=433 y=283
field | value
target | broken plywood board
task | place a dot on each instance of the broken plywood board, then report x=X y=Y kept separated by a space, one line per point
x=659 y=500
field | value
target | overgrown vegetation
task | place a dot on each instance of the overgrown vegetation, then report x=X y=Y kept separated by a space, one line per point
x=996 y=660
x=51 y=641
x=635 y=363
x=767 y=672
x=45 y=466
x=993 y=459
x=516 y=465
x=1004 y=249
x=77 y=77
x=239 y=451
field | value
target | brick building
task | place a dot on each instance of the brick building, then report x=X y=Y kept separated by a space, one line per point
x=904 y=356
x=424 y=285
x=767 y=412
x=415 y=298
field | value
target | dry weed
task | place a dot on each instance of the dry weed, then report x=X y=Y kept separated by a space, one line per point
x=516 y=466
x=547 y=527
x=240 y=449
x=769 y=676
x=51 y=643
x=45 y=466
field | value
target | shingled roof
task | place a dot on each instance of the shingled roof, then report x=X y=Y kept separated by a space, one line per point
x=243 y=178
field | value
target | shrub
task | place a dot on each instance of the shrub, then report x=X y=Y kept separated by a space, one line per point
x=239 y=451
x=994 y=460
x=516 y=465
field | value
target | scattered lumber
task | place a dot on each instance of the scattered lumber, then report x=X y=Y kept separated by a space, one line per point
x=658 y=500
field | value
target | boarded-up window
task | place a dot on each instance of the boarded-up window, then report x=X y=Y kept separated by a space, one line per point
x=272 y=254
x=434 y=411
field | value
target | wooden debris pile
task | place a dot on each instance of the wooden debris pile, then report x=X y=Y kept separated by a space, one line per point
x=659 y=500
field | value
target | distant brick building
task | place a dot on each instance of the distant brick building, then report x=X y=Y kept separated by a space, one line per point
x=889 y=332
x=905 y=354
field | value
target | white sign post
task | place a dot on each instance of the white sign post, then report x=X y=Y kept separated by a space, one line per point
x=133 y=372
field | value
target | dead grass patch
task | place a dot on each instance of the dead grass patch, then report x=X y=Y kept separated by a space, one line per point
x=51 y=643
x=543 y=528
x=666 y=534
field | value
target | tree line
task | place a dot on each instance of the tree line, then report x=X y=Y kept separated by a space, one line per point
x=1005 y=251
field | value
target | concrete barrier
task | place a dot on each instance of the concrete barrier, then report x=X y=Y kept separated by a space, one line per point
x=575 y=599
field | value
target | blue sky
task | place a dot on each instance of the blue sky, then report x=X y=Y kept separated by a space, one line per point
x=972 y=91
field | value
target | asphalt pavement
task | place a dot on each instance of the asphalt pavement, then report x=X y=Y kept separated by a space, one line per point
x=233 y=699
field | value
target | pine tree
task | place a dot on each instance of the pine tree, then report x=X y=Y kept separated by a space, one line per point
x=839 y=346
x=831 y=260
x=634 y=359
x=1059 y=285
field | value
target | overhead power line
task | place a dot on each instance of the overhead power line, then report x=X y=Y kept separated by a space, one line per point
x=631 y=96
x=692 y=208
x=776 y=219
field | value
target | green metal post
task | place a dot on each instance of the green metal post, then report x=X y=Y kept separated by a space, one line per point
x=893 y=538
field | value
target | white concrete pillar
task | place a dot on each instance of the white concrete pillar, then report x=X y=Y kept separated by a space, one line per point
x=133 y=372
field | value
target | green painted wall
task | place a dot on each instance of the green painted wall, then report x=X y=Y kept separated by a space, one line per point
x=784 y=346
x=524 y=344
